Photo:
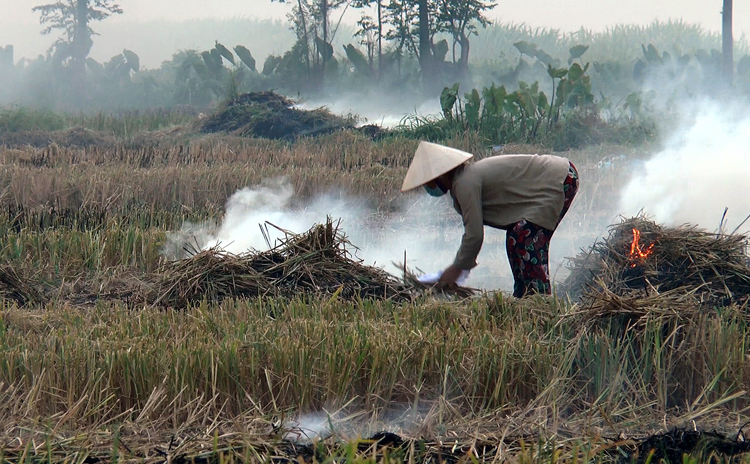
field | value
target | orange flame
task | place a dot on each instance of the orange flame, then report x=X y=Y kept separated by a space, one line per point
x=636 y=252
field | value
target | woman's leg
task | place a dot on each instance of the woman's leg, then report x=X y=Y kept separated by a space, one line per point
x=527 y=245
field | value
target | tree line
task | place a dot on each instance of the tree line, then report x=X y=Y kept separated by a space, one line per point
x=388 y=31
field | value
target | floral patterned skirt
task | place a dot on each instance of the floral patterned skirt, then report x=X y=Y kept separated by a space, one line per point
x=528 y=247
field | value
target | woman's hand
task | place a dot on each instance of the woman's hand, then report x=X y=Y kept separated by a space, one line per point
x=449 y=277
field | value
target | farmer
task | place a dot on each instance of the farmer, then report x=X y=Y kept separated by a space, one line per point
x=526 y=195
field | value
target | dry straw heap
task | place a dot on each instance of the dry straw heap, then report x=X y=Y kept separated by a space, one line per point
x=315 y=262
x=645 y=267
x=273 y=116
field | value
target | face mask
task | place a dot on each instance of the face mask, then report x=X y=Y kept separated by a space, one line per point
x=437 y=191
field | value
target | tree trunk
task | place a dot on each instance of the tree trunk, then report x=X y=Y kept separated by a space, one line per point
x=81 y=45
x=303 y=22
x=728 y=42
x=463 y=64
x=324 y=13
x=425 y=49
x=380 y=38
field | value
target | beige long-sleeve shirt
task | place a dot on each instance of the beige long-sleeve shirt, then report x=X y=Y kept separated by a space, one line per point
x=502 y=190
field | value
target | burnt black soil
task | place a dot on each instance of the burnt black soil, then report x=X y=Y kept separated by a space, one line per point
x=270 y=115
x=670 y=447
x=673 y=445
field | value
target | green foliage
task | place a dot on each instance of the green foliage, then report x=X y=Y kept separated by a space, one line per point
x=132 y=60
x=73 y=18
x=448 y=98
x=25 y=119
x=623 y=59
x=524 y=115
x=526 y=48
x=472 y=106
x=325 y=49
x=246 y=57
x=577 y=52
x=440 y=50
x=270 y=65
x=358 y=59
x=224 y=52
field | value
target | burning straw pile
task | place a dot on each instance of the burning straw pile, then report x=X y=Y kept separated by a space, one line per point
x=642 y=263
x=316 y=262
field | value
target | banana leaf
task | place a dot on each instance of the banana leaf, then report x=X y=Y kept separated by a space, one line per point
x=224 y=52
x=246 y=57
x=132 y=59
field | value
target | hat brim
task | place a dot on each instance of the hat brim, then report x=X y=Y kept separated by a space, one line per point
x=430 y=162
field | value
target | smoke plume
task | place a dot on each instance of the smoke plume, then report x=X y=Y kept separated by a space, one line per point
x=426 y=232
x=703 y=169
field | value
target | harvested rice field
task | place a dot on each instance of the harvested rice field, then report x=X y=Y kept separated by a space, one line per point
x=132 y=331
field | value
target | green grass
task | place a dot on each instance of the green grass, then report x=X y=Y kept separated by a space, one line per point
x=451 y=366
x=123 y=124
x=16 y=119
x=127 y=124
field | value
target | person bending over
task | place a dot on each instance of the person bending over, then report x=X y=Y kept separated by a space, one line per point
x=526 y=195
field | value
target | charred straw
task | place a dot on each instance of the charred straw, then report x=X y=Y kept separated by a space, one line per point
x=20 y=290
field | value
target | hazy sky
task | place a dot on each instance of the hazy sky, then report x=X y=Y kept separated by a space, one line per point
x=18 y=23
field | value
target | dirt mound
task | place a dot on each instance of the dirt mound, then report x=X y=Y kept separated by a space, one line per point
x=642 y=259
x=316 y=262
x=270 y=115
x=75 y=137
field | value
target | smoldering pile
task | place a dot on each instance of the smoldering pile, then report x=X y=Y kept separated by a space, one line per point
x=317 y=262
x=642 y=267
x=273 y=116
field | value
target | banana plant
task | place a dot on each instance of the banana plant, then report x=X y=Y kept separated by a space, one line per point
x=534 y=108
x=224 y=52
x=270 y=65
x=577 y=52
x=440 y=50
x=471 y=108
x=358 y=59
x=559 y=74
x=132 y=60
x=448 y=99
x=118 y=68
x=246 y=57
x=497 y=113
x=532 y=51
x=325 y=49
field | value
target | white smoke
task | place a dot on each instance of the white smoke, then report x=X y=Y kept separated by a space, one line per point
x=703 y=169
x=426 y=232
x=309 y=427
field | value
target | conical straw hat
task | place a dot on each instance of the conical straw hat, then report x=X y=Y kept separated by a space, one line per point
x=430 y=162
